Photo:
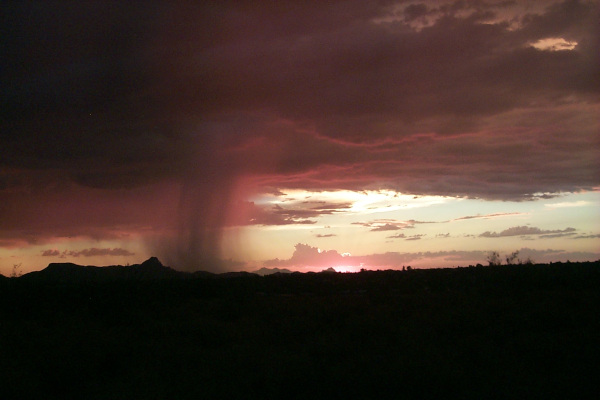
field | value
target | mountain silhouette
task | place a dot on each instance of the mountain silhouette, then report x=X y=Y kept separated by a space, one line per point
x=269 y=271
x=150 y=269
x=329 y=270
x=90 y=332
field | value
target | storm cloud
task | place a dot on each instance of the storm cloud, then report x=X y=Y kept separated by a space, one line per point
x=165 y=117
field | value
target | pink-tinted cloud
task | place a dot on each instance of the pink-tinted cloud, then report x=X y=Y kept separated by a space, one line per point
x=92 y=252
x=308 y=257
x=51 y=253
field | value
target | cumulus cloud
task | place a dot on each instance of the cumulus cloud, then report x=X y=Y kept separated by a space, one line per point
x=306 y=256
x=51 y=253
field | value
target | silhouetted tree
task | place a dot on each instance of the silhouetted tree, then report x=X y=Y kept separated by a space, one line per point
x=493 y=258
x=16 y=271
x=512 y=257
x=527 y=261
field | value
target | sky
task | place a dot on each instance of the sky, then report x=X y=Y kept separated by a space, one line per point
x=227 y=136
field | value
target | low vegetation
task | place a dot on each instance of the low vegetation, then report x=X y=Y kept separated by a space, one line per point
x=494 y=259
x=470 y=333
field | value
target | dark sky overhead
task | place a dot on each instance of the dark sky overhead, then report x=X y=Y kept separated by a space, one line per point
x=167 y=122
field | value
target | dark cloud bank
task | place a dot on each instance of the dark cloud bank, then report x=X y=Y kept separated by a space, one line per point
x=163 y=116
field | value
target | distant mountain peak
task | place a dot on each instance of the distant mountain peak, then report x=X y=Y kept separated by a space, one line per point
x=152 y=268
x=329 y=270
x=152 y=262
x=62 y=267
x=268 y=271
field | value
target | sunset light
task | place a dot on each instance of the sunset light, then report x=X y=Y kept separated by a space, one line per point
x=356 y=199
x=232 y=137
x=554 y=44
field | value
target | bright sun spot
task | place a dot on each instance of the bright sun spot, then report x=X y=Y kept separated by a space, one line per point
x=344 y=268
x=363 y=202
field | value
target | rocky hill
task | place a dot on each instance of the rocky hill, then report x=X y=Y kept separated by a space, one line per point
x=150 y=269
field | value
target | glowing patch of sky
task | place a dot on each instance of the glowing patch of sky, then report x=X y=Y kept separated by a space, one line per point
x=439 y=224
x=554 y=44
x=31 y=258
x=442 y=223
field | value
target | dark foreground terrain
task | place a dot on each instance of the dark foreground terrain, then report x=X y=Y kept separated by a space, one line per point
x=505 y=332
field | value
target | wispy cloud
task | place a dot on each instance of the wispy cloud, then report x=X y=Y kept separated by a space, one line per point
x=488 y=216
x=415 y=237
x=250 y=213
x=568 y=204
x=51 y=253
x=524 y=231
x=587 y=236
x=557 y=235
x=386 y=227
x=382 y=225
x=397 y=236
x=90 y=252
